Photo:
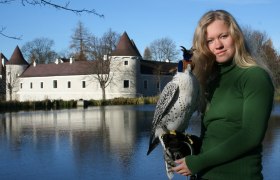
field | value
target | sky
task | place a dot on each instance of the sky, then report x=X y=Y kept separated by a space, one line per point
x=143 y=20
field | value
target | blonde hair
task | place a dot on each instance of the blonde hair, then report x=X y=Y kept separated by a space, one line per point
x=242 y=56
x=204 y=59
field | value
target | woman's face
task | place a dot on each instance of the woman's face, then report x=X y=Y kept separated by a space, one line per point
x=219 y=41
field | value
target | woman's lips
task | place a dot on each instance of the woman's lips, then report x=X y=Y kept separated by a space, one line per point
x=219 y=53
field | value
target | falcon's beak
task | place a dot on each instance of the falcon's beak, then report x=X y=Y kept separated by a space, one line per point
x=186 y=63
x=183 y=65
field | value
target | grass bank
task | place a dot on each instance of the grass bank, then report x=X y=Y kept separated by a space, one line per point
x=10 y=106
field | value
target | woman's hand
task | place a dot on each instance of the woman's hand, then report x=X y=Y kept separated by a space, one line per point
x=182 y=167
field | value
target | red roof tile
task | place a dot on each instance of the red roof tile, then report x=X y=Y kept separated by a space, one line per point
x=126 y=47
x=61 y=69
x=17 y=58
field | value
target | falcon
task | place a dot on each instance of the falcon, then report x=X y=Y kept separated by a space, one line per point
x=176 y=105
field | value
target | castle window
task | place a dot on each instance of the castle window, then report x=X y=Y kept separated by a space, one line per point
x=42 y=85
x=126 y=83
x=54 y=83
x=69 y=84
x=84 y=84
x=31 y=85
x=125 y=63
x=145 y=84
x=20 y=85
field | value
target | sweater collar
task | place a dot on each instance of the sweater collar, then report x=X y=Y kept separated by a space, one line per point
x=226 y=67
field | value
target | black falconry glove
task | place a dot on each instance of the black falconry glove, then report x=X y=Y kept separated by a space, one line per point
x=179 y=145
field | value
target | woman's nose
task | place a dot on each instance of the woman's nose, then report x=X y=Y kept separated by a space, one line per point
x=218 y=44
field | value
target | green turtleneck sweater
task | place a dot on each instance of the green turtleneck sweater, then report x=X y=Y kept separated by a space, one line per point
x=235 y=123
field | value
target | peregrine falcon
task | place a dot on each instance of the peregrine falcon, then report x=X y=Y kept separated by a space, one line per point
x=177 y=102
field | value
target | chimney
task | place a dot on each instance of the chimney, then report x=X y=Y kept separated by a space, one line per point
x=71 y=60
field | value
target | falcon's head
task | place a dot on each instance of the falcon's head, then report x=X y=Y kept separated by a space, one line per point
x=187 y=53
x=183 y=64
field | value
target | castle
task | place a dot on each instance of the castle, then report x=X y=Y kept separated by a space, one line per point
x=128 y=75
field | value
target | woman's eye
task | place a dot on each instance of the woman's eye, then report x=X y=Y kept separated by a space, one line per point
x=224 y=36
x=209 y=41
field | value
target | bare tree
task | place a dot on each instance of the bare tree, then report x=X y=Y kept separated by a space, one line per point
x=273 y=61
x=39 y=50
x=81 y=42
x=104 y=45
x=147 y=54
x=255 y=41
x=65 y=7
x=101 y=48
x=164 y=49
x=261 y=47
x=103 y=75
x=12 y=82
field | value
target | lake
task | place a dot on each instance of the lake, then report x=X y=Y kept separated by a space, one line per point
x=108 y=142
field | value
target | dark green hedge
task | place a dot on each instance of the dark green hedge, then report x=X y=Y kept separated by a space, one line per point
x=7 y=106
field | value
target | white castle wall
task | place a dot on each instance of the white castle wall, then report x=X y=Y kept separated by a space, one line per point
x=125 y=68
x=75 y=92
x=12 y=77
x=122 y=68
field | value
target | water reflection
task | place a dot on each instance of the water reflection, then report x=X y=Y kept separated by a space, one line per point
x=271 y=153
x=95 y=143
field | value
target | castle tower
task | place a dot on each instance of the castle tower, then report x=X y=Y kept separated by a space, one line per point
x=125 y=67
x=14 y=68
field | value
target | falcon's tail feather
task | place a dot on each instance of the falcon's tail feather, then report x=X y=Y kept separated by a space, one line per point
x=153 y=144
x=169 y=164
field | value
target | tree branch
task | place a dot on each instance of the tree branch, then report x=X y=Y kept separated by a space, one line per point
x=47 y=3
x=60 y=7
x=8 y=36
x=5 y=1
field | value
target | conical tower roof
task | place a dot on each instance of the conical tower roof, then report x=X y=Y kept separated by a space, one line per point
x=126 y=47
x=17 y=58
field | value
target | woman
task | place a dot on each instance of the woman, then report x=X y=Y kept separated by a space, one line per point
x=239 y=94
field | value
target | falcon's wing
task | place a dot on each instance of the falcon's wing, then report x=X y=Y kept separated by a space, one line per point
x=165 y=99
x=163 y=104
